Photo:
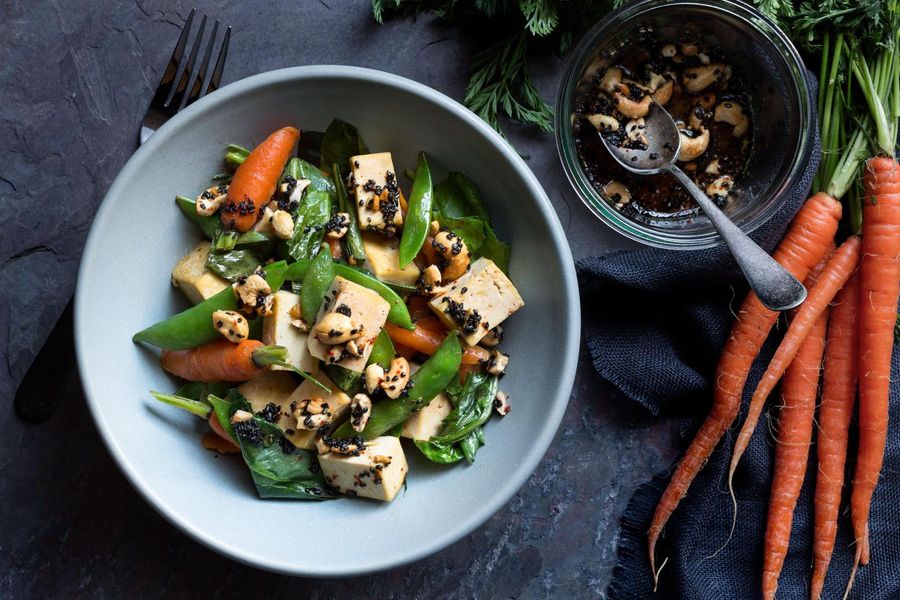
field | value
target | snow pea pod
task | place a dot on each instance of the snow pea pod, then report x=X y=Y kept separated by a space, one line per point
x=194 y=326
x=418 y=215
x=316 y=282
x=429 y=381
x=398 y=313
x=354 y=239
x=208 y=225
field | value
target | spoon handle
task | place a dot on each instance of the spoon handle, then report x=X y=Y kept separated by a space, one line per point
x=774 y=286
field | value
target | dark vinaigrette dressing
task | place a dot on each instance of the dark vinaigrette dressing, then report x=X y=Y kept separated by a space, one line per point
x=651 y=199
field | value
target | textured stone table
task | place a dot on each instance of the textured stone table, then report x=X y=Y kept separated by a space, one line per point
x=75 y=79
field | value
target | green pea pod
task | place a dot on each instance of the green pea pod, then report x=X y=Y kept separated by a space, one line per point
x=418 y=216
x=208 y=225
x=316 y=282
x=398 y=313
x=382 y=350
x=194 y=326
x=429 y=381
x=354 y=239
x=235 y=155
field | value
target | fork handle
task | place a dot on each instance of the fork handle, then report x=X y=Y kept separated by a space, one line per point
x=774 y=286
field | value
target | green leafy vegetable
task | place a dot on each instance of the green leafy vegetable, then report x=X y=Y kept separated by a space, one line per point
x=232 y=265
x=210 y=225
x=340 y=142
x=309 y=225
x=309 y=146
x=197 y=390
x=318 y=179
x=440 y=453
x=279 y=470
x=355 y=246
x=457 y=197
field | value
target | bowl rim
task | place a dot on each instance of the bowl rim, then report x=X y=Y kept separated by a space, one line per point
x=639 y=232
x=569 y=338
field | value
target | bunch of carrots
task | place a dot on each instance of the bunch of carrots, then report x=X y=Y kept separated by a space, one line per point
x=847 y=322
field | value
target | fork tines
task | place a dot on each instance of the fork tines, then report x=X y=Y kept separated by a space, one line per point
x=170 y=102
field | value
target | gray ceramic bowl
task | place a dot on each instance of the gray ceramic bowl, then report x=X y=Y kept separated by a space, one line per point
x=123 y=286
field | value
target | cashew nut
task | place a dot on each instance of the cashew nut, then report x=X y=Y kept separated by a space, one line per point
x=495 y=335
x=631 y=108
x=689 y=49
x=360 y=410
x=336 y=328
x=501 y=403
x=669 y=51
x=210 y=200
x=713 y=167
x=617 y=193
x=254 y=294
x=695 y=120
x=664 y=92
x=706 y=100
x=498 y=362
x=430 y=280
x=634 y=130
x=283 y=224
x=374 y=376
x=453 y=253
x=231 y=324
x=692 y=147
x=697 y=79
x=611 y=78
x=720 y=186
x=733 y=114
x=603 y=122
x=396 y=378
x=240 y=416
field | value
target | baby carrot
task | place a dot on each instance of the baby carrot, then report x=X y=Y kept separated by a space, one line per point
x=219 y=360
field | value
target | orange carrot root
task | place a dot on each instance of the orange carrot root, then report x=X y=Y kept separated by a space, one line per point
x=801 y=249
x=219 y=360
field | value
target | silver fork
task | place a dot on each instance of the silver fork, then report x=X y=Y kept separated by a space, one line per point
x=48 y=376
x=165 y=102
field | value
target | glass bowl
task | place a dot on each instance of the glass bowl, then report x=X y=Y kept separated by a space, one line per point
x=781 y=105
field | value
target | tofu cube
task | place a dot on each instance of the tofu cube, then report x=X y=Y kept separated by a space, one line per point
x=365 y=307
x=426 y=423
x=277 y=330
x=477 y=301
x=280 y=388
x=376 y=192
x=378 y=472
x=338 y=404
x=383 y=259
x=192 y=277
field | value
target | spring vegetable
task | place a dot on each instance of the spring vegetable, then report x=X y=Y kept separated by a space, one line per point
x=428 y=336
x=795 y=426
x=221 y=360
x=838 y=394
x=309 y=222
x=418 y=217
x=355 y=247
x=235 y=155
x=397 y=313
x=426 y=383
x=316 y=282
x=195 y=407
x=232 y=265
x=341 y=141
x=279 y=470
x=801 y=249
x=255 y=179
x=879 y=287
x=210 y=225
x=835 y=274
x=194 y=326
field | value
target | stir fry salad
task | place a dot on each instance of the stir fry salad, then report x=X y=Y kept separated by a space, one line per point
x=334 y=315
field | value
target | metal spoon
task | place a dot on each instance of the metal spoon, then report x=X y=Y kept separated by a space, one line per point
x=776 y=288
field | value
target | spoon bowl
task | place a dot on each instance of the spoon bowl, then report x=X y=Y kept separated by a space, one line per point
x=653 y=148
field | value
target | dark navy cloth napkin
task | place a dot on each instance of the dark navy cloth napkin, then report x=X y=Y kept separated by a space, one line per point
x=654 y=323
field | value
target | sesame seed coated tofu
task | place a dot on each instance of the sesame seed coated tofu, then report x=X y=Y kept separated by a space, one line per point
x=383 y=259
x=338 y=405
x=365 y=307
x=477 y=301
x=192 y=277
x=278 y=331
x=269 y=387
x=378 y=472
x=376 y=193
x=426 y=423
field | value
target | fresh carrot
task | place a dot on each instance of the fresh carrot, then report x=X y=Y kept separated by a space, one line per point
x=801 y=249
x=879 y=286
x=219 y=440
x=428 y=335
x=838 y=394
x=835 y=274
x=255 y=179
x=798 y=393
x=418 y=308
x=219 y=360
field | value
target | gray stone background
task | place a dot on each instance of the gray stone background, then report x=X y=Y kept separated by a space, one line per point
x=75 y=79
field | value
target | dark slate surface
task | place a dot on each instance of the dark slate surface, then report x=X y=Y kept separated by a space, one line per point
x=75 y=79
